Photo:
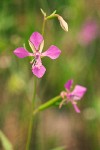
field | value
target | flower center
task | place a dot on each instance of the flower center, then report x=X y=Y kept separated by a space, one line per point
x=37 y=60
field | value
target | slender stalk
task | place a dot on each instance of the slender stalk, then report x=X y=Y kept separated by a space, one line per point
x=32 y=118
x=51 y=16
x=34 y=93
x=43 y=26
x=42 y=107
x=47 y=104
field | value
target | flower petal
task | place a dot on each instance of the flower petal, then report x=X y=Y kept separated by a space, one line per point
x=76 y=108
x=78 y=92
x=53 y=52
x=36 y=39
x=21 y=52
x=38 y=71
x=68 y=84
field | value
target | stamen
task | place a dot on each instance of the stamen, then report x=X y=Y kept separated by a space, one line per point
x=33 y=61
x=63 y=101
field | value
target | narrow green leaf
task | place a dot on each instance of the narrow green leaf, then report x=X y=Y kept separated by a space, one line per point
x=59 y=148
x=5 y=142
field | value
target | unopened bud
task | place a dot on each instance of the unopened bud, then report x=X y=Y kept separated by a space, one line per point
x=63 y=23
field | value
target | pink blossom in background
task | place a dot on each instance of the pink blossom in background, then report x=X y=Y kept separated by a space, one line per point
x=36 y=43
x=73 y=96
x=88 y=32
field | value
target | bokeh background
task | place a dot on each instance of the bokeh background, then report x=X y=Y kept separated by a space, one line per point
x=54 y=129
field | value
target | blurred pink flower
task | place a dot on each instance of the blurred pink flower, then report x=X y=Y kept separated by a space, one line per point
x=88 y=32
x=73 y=96
x=36 y=43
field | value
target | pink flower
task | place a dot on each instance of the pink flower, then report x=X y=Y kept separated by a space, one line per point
x=36 y=43
x=88 y=32
x=73 y=96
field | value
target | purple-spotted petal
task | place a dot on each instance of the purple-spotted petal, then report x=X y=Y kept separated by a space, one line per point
x=53 y=52
x=38 y=71
x=68 y=84
x=78 y=92
x=21 y=52
x=36 y=39
x=76 y=108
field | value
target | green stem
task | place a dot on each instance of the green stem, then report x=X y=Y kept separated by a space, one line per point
x=47 y=104
x=34 y=93
x=32 y=118
x=43 y=26
x=51 y=16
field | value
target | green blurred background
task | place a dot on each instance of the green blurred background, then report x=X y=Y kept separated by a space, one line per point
x=54 y=129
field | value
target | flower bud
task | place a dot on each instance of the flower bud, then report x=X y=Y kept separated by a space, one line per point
x=63 y=23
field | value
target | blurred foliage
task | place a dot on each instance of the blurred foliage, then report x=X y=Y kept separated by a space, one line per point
x=5 y=142
x=18 y=19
